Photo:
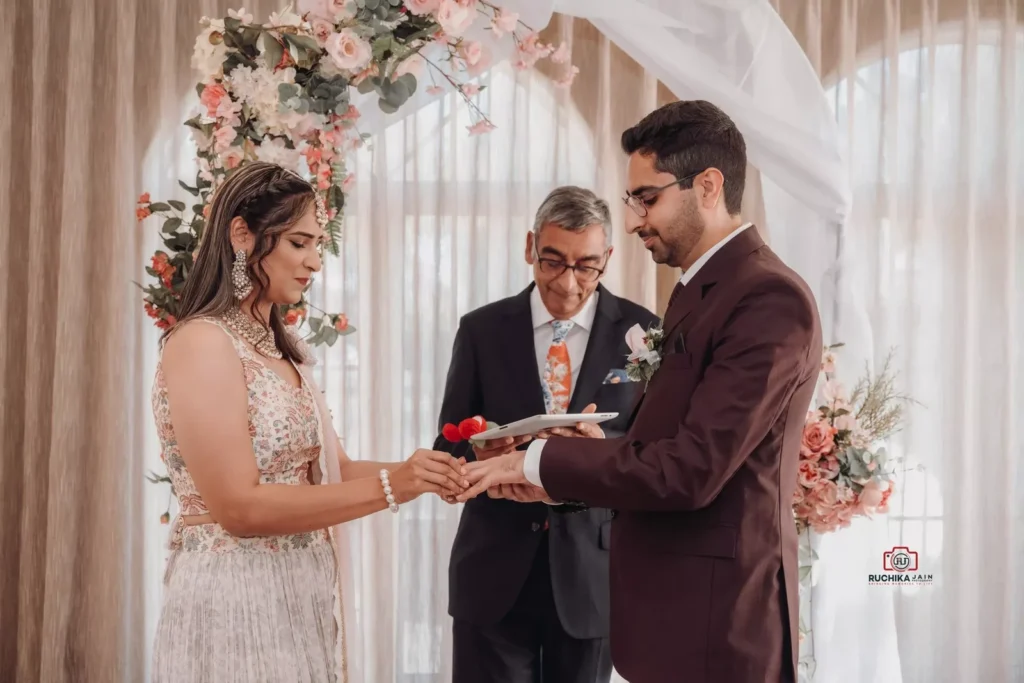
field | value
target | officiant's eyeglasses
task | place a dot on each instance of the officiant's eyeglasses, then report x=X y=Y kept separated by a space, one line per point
x=555 y=268
x=637 y=202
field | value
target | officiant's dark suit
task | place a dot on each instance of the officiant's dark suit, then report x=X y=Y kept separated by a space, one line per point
x=526 y=579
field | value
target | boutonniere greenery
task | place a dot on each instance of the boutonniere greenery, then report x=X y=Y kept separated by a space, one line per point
x=644 y=357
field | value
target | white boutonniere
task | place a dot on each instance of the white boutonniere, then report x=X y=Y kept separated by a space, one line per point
x=645 y=352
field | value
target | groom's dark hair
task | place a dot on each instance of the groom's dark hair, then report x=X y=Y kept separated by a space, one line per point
x=688 y=137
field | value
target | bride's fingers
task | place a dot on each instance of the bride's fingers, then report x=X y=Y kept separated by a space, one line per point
x=453 y=473
x=442 y=483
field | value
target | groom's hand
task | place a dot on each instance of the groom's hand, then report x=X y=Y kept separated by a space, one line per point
x=583 y=430
x=521 y=493
x=495 y=447
x=492 y=473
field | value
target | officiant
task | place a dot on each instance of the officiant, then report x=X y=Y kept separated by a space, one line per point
x=528 y=584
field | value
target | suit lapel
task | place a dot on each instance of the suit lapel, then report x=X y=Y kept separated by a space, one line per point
x=722 y=264
x=518 y=353
x=603 y=351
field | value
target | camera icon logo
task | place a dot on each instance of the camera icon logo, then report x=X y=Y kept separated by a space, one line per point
x=899 y=559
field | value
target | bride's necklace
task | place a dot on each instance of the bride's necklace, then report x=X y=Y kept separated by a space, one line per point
x=253 y=332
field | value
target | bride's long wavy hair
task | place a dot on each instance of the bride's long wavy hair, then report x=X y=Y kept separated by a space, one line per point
x=270 y=199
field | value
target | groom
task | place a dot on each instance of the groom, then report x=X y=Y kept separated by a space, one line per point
x=704 y=548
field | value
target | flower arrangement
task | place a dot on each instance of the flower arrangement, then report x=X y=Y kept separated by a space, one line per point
x=844 y=470
x=280 y=92
x=644 y=357
x=466 y=429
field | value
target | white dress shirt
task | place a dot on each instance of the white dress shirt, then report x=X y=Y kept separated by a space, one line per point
x=531 y=465
x=575 y=340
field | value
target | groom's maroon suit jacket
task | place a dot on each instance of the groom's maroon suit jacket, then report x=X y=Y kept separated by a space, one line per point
x=704 y=547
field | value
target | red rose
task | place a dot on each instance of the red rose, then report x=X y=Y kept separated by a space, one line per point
x=471 y=426
x=451 y=432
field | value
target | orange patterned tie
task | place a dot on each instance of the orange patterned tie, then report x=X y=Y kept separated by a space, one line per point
x=557 y=371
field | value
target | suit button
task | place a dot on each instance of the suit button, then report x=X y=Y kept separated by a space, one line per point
x=535 y=527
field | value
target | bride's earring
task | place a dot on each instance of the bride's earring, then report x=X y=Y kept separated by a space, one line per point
x=240 y=277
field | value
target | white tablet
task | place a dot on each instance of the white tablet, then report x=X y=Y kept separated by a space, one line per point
x=532 y=425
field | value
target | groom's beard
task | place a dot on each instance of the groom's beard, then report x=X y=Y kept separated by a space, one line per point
x=685 y=233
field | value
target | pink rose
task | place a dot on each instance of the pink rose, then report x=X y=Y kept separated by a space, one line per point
x=410 y=65
x=470 y=89
x=455 y=17
x=871 y=494
x=421 y=7
x=817 y=440
x=348 y=50
x=341 y=324
x=807 y=474
x=826 y=494
x=322 y=30
x=211 y=96
x=828 y=466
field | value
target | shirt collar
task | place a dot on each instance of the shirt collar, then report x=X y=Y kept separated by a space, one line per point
x=584 y=317
x=691 y=272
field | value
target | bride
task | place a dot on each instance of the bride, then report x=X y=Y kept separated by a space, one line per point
x=253 y=590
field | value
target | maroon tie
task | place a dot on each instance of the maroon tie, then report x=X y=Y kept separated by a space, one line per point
x=675 y=293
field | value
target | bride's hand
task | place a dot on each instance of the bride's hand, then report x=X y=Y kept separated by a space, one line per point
x=428 y=471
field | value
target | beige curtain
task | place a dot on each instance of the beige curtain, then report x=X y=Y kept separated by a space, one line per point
x=929 y=96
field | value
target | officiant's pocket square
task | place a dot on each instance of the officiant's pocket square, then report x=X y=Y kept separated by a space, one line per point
x=617 y=376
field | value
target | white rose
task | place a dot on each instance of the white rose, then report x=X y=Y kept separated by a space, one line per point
x=349 y=51
x=208 y=57
x=636 y=340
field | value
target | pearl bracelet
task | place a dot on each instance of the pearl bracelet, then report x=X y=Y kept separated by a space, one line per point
x=388 y=495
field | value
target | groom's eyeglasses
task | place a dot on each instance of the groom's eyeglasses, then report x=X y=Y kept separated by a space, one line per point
x=637 y=202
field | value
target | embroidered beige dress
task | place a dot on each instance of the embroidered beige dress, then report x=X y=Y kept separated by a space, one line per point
x=250 y=609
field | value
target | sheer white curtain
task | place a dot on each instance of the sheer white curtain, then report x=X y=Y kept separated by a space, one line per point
x=929 y=101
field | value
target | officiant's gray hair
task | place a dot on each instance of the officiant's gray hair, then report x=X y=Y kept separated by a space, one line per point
x=573 y=208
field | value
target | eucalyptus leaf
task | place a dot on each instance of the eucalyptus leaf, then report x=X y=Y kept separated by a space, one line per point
x=371 y=4
x=159 y=206
x=336 y=197
x=180 y=206
x=315 y=324
x=273 y=51
x=191 y=190
x=387 y=107
x=171 y=224
x=330 y=335
x=232 y=24
x=365 y=86
x=408 y=81
x=306 y=43
x=286 y=91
